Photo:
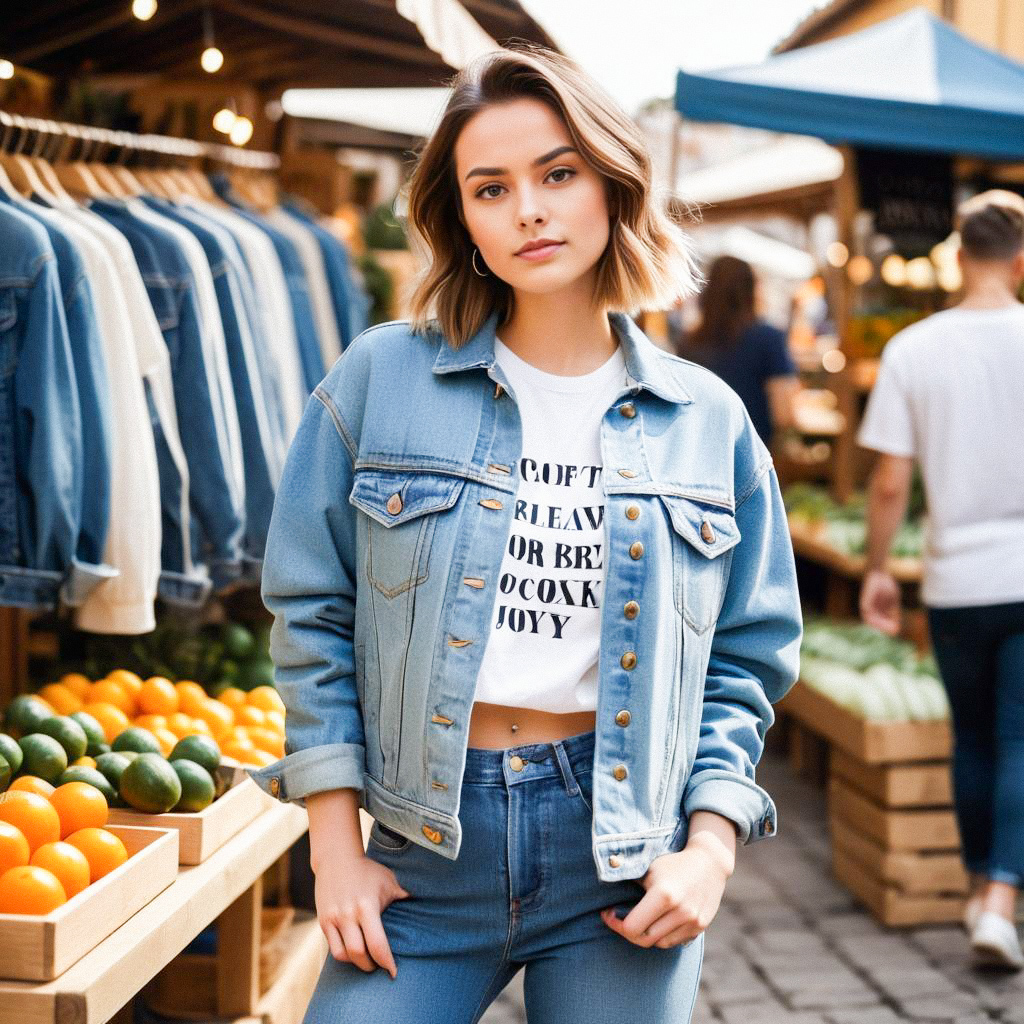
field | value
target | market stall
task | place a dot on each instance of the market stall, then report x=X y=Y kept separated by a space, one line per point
x=922 y=118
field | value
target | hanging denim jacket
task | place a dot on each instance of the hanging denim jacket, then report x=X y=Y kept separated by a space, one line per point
x=42 y=461
x=382 y=571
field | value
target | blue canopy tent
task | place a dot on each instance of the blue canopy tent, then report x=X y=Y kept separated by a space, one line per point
x=910 y=83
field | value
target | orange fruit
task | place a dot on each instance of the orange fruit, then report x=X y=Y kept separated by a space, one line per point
x=239 y=751
x=79 y=806
x=107 y=691
x=266 y=698
x=166 y=739
x=30 y=890
x=179 y=723
x=200 y=728
x=250 y=716
x=103 y=850
x=63 y=700
x=129 y=680
x=191 y=697
x=150 y=722
x=14 y=851
x=219 y=717
x=83 y=762
x=31 y=784
x=34 y=816
x=275 y=721
x=265 y=739
x=239 y=734
x=113 y=721
x=67 y=863
x=233 y=697
x=158 y=697
x=78 y=684
x=258 y=758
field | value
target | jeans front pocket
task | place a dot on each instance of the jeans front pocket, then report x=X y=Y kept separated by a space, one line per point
x=585 y=780
x=387 y=839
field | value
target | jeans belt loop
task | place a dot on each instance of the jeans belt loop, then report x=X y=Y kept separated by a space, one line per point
x=563 y=763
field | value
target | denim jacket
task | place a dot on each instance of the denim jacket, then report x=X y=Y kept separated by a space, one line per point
x=382 y=569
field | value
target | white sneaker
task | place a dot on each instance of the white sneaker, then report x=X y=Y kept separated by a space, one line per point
x=995 y=941
x=972 y=911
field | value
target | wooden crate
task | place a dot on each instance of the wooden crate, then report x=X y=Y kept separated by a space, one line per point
x=872 y=743
x=894 y=830
x=203 y=832
x=927 y=784
x=919 y=873
x=891 y=906
x=40 y=948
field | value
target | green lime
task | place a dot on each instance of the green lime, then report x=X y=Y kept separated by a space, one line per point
x=111 y=766
x=203 y=750
x=138 y=739
x=93 y=730
x=10 y=751
x=197 y=788
x=5 y=773
x=130 y=754
x=150 y=784
x=238 y=642
x=68 y=733
x=44 y=757
x=80 y=773
x=258 y=672
x=25 y=714
x=229 y=670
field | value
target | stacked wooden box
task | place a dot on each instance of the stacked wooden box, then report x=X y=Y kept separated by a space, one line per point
x=895 y=841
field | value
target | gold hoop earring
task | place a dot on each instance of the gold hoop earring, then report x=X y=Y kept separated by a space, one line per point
x=472 y=260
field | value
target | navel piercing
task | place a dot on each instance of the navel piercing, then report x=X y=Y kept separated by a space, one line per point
x=515 y=728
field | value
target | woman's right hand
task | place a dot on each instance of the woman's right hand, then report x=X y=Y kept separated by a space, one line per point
x=351 y=890
x=351 y=894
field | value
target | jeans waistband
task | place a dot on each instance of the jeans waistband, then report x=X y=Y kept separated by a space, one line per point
x=562 y=758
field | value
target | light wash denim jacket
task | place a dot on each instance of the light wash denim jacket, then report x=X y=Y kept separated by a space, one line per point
x=382 y=570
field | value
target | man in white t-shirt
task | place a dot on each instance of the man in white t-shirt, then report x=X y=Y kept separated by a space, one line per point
x=950 y=397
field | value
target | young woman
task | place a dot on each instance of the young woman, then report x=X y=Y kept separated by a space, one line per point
x=748 y=353
x=533 y=593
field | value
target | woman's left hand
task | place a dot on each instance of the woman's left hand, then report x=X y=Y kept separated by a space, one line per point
x=683 y=890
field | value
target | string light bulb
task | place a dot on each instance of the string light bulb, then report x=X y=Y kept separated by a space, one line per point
x=241 y=131
x=143 y=9
x=224 y=120
x=212 y=60
x=6 y=69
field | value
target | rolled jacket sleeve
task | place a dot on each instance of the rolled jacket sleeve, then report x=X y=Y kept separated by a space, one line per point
x=754 y=660
x=309 y=585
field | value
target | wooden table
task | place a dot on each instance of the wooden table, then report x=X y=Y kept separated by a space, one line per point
x=102 y=982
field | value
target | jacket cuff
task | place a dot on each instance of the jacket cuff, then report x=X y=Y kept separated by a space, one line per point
x=29 y=588
x=184 y=590
x=82 y=579
x=313 y=770
x=734 y=797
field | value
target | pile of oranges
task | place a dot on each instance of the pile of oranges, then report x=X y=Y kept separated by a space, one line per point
x=248 y=726
x=53 y=844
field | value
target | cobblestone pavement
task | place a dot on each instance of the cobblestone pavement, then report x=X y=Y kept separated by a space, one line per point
x=790 y=946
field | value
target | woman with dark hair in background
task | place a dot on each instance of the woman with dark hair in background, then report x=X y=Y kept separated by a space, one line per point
x=748 y=353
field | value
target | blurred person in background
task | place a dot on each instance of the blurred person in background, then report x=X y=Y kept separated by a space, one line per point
x=948 y=397
x=747 y=352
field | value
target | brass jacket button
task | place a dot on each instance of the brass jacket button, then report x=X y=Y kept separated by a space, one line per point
x=516 y=763
x=275 y=786
x=707 y=532
x=631 y=609
x=627 y=473
x=636 y=550
x=394 y=505
x=620 y=772
x=623 y=718
x=633 y=512
x=491 y=503
x=432 y=834
x=628 y=410
x=614 y=861
x=769 y=828
x=628 y=660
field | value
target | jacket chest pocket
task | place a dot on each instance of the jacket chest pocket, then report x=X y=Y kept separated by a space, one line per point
x=401 y=507
x=703 y=536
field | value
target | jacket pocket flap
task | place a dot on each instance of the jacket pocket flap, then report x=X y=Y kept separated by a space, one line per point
x=709 y=530
x=393 y=497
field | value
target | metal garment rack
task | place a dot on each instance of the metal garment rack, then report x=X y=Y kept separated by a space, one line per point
x=92 y=141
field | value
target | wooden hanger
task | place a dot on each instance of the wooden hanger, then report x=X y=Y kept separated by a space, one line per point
x=76 y=176
x=44 y=166
x=6 y=185
x=19 y=167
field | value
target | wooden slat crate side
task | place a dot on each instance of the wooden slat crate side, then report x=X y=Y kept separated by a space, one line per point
x=893 y=830
x=928 y=784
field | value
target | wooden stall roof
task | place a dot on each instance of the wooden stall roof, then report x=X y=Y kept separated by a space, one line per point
x=268 y=44
x=817 y=22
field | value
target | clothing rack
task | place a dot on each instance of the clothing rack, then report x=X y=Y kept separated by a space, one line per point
x=97 y=140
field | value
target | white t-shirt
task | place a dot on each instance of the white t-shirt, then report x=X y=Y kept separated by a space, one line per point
x=546 y=630
x=950 y=393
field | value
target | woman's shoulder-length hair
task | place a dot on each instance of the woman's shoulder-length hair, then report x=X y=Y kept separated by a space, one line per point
x=647 y=263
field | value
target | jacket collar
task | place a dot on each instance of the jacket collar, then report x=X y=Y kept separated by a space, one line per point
x=646 y=365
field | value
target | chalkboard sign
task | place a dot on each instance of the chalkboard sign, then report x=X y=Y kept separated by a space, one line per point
x=911 y=196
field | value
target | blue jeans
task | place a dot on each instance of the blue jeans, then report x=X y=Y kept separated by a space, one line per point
x=980 y=652
x=524 y=892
